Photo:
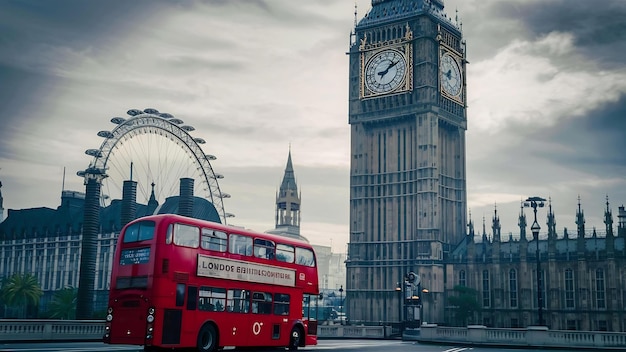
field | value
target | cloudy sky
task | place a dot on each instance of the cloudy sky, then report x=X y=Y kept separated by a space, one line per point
x=546 y=87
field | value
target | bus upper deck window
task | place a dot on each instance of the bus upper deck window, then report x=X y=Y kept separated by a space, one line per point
x=186 y=236
x=285 y=253
x=305 y=256
x=214 y=240
x=264 y=248
x=239 y=244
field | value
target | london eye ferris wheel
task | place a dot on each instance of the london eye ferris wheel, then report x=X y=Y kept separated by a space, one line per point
x=156 y=150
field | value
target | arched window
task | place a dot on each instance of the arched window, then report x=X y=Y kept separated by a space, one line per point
x=569 y=289
x=600 y=293
x=513 y=288
x=486 y=291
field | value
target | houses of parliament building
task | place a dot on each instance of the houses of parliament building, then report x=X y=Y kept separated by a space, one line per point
x=582 y=274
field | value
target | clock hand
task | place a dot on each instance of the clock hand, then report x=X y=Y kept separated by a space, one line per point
x=383 y=73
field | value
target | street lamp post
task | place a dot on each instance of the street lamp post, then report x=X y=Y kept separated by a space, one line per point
x=535 y=202
x=424 y=294
x=399 y=290
x=340 y=304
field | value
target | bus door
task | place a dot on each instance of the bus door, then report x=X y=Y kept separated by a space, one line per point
x=267 y=324
x=173 y=318
x=234 y=329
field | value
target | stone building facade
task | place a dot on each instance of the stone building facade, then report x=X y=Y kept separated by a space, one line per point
x=582 y=275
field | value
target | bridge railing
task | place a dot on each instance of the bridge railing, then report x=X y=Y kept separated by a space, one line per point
x=533 y=336
x=93 y=330
x=50 y=330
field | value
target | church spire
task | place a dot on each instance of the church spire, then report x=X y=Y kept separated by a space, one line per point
x=152 y=203
x=288 y=201
x=289 y=179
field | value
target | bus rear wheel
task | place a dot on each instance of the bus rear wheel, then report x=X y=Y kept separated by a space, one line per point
x=294 y=338
x=207 y=339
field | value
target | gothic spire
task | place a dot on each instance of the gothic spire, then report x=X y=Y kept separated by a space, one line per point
x=551 y=221
x=580 y=220
x=152 y=203
x=484 y=231
x=608 y=218
x=471 y=226
x=522 y=223
x=288 y=202
x=495 y=226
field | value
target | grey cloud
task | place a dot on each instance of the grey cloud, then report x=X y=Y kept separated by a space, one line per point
x=597 y=140
x=599 y=28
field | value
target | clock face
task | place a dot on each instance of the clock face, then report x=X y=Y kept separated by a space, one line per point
x=385 y=71
x=450 y=75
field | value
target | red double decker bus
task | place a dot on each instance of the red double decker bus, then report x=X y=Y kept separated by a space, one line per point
x=183 y=282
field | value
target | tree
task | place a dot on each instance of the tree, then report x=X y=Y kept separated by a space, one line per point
x=465 y=304
x=21 y=291
x=63 y=304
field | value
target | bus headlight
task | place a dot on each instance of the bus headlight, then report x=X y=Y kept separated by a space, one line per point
x=150 y=318
x=110 y=310
x=109 y=317
x=151 y=310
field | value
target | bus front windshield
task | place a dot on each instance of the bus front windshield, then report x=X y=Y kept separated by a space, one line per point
x=139 y=231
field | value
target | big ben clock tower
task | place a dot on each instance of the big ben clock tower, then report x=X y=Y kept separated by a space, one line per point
x=407 y=113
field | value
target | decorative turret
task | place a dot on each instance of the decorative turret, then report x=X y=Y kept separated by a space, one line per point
x=485 y=238
x=621 y=221
x=521 y=222
x=485 y=241
x=495 y=228
x=495 y=225
x=608 y=221
x=551 y=221
x=471 y=245
x=580 y=223
x=551 y=231
x=470 y=226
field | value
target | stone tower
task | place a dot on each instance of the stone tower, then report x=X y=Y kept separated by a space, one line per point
x=288 y=205
x=407 y=111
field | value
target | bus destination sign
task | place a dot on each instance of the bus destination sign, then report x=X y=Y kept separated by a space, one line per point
x=229 y=269
x=135 y=256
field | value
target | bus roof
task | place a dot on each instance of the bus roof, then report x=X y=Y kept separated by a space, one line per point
x=170 y=218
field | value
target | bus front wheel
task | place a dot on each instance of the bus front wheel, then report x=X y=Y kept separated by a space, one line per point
x=294 y=338
x=207 y=339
